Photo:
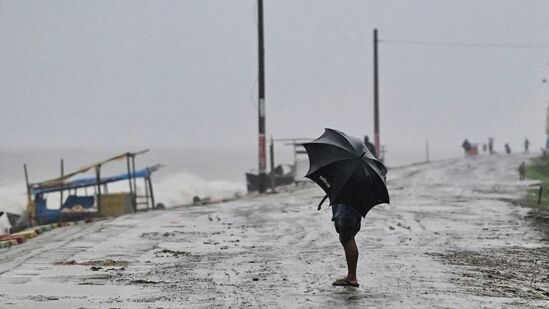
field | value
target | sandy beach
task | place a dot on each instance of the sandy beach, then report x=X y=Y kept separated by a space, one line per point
x=452 y=237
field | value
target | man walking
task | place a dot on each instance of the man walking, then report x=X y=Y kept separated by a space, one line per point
x=370 y=146
x=491 y=145
x=354 y=182
x=347 y=224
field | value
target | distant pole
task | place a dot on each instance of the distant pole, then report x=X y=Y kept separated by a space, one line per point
x=98 y=183
x=272 y=155
x=376 y=98
x=31 y=209
x=27 y=181
x=128 y=165
x=134 y=181
x=426 y=150
x=261 y=108
x=151 y=191
x=62 y=174
x=546 y=129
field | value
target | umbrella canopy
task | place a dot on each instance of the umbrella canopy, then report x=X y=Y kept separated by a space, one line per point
x=345 y=169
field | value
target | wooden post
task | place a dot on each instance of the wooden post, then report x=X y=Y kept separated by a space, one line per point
x=540 y=193
x=130 y=178
x=98 y=180
x=272 y=155
x=62 y=174
x=295 y=152
x=27 y=181
x=146 y=192
x=377 y=142
x=134 y=182
x=151 y=191
x=427 y=151
x=31 y=209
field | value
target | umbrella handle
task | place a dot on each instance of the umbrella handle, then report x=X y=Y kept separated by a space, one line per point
x=325 y=197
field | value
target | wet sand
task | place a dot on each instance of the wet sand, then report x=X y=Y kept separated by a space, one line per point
x=450 y=238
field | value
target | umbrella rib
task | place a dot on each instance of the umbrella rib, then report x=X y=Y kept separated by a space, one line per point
x=348 y=141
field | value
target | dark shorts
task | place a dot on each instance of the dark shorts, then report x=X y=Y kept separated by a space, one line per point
x=347 y=228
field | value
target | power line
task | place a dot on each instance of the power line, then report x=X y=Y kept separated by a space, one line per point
x=465 y=44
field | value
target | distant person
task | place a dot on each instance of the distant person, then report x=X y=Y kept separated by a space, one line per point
x=466 y=146
x=507 y=148
x=526 y=145
x=491 y=145
x=370 y=146
x=484 y=147
x=522 y=171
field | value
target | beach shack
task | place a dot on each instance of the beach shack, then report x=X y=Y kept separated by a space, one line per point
x=87 y=197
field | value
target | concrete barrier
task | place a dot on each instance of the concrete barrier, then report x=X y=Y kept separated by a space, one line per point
x=7 y=241
x=27 y=233
x=19 y=238
x=5 y=244
x=44 y=228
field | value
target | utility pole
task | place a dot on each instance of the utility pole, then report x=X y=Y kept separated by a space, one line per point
x=272 y=156
x=546 y=128
x=62 y=175
x=427 y=150
x=261 y=108
x=377 y=143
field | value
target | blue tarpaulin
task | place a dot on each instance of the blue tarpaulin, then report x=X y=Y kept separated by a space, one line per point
x=92 y=181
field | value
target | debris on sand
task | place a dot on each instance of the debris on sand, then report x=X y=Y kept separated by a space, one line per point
x=42 y=298
x=158 y=235
x=144 y=281
x=171 y=252
x=105 y=262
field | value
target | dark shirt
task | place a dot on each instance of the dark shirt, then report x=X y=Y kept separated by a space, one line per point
x=340 y=211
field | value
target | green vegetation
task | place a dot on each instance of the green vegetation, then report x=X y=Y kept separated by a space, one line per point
x=538 y=169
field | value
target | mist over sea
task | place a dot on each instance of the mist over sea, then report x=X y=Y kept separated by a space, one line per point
x=186 y=173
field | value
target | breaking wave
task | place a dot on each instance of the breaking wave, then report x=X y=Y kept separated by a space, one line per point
x=13 y=198
x=181 y=187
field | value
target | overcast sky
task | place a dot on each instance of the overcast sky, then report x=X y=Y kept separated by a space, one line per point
x=183 y=74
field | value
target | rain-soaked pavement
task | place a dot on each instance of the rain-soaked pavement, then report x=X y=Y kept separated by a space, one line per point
x=450 y=238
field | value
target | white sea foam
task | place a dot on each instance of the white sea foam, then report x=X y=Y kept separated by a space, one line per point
x=13 y=198
x=181 y=187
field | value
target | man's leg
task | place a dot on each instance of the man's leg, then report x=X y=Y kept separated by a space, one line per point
x=351 y=255
x=347 y=229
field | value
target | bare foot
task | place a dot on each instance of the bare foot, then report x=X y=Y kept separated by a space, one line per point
x=346 y=282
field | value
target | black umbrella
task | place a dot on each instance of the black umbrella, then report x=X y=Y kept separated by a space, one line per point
x=344 y=168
